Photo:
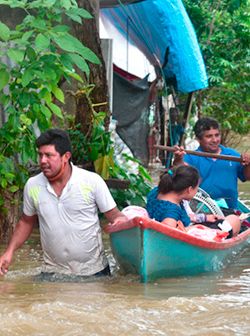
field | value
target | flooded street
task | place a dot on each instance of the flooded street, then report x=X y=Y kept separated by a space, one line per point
x=209 y=304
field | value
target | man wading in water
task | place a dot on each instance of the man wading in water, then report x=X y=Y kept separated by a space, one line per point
x=64 y=200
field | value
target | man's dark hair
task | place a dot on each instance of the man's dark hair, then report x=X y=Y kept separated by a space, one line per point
x=205 y=124
x=57 y=137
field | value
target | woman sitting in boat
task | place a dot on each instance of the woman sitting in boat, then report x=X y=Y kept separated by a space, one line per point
x=165 y=203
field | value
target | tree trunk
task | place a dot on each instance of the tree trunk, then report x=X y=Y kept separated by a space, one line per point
x=10 y=215
x=88 y=34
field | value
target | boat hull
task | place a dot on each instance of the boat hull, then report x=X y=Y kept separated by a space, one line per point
x=153 y=250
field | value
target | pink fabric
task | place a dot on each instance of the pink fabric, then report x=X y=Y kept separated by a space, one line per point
x=132 y=211
x=204 y=232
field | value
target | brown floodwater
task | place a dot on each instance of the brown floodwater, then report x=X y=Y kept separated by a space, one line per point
x=210 y=304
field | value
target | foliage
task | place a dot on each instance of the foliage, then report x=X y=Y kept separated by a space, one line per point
x=41 y=53
x=99 y=148
x=140 y=184
x=223 y=31
x=95 y=147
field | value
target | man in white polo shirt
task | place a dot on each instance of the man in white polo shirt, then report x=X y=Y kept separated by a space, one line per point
x=64 y=200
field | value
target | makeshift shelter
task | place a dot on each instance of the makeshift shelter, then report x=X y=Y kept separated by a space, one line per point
x=130 y=109
x=162 y=30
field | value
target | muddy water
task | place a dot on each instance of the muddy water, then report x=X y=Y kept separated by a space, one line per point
x=212 y=304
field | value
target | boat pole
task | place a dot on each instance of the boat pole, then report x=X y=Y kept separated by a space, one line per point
x=205 y=154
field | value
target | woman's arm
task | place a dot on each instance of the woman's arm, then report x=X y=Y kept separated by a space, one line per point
x=174 y=224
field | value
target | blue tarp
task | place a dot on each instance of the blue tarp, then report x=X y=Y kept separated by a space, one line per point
x=158 y=28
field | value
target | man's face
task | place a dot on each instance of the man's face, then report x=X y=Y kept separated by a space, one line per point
x=210 y=141
x=50 y=160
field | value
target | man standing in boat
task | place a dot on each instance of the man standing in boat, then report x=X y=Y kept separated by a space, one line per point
x=219 y=178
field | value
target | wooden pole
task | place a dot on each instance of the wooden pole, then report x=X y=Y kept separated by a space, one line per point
x=186 y=116
x=205 y=154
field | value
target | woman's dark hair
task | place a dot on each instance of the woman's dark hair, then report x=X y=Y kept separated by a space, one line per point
x=57 y=137
x=178 y=179
x=205 y=124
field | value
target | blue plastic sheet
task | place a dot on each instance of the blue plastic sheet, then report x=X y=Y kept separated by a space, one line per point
x=156 y=26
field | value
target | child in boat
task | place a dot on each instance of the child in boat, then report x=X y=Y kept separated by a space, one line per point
x=165 y=202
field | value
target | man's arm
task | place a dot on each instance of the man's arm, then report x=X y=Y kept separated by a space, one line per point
x=115 y=217
x=21 y=233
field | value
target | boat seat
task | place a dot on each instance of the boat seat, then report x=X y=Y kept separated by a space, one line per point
x=203 y=203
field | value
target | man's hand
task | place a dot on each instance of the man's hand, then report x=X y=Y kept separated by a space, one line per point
x=116 y=218
x=178 y=155
x=5 y=261
x=21 y=233
x=119 y=223
x=213 y=218
x=246 y=164
x=245 y=159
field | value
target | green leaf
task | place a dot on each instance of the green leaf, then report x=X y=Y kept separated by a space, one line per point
x=56 y=110
x=38 y=23
x=46 y=112
x=8 y=175
x=42 y=93
x=3 y=183
x=60 y=29
x=78 y=12
x=13 y=188
x=25 y=149
x=4 y=78
x=74 y=17
x=65 y=4
x=47 y=97
x=38 y=3
x=68 y=43
x=66 y=61
x=27 y=35
x=90 y=56
x=81 y=63
x=102 y=165
x=4 y=32
x=4 y=99
x=42 y=42
x=31 y=53
x=58 y=93
x=27 y=77
x=25 y=120
x=93 y=153
x=83 y=13
x=75 y=76
x=14 y=3
x=49 y=73
x=16 y=55
x=24 y=99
